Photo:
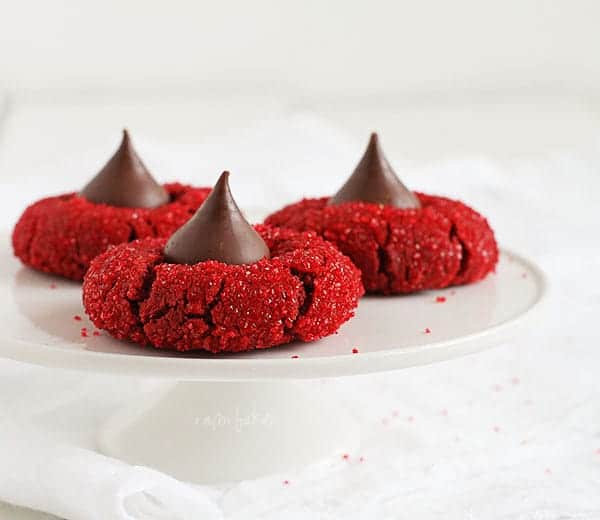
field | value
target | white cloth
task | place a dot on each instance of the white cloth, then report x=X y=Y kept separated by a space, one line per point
x=511 y=433
x=79 y=484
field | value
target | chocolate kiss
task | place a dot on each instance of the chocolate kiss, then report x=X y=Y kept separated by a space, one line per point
x=125 y=181
x=374 y=180
x=218 y=231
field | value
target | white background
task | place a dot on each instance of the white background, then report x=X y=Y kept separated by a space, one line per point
x=311 y=47
x=494 y=102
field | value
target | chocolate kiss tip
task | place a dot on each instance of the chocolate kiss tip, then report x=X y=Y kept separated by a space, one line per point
x=375 y=181
x=218 y=231
x=125 y=181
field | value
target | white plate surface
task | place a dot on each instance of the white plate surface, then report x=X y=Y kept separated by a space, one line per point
x=38 y=326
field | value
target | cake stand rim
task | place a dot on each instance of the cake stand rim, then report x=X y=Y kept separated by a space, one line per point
x=253 y=369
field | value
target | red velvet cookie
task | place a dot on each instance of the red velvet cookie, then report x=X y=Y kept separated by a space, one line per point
x=442 y=243
x=304 y=291
x=401 y=241
x=62 y=234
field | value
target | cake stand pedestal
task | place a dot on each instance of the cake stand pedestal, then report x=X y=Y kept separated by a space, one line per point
x=221 y=431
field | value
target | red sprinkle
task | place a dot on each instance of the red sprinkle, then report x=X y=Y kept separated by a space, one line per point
x=345 y=456
x=77 y=318
x=286 y=482
x=96 y=333
x=84 y=332
x=427 y=330
x=440 y=299
x=295 y=357
x=354 y=351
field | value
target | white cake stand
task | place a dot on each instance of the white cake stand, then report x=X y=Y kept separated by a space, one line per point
x=240 y=416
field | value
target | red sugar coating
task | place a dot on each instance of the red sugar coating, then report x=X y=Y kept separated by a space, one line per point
x=305 y=291
x=440 y=299
x=401 y=250
x=62 y=234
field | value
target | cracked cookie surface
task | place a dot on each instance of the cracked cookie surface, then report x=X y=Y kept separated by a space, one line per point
x=305 y=291
x=61 y=235
x=400 y=251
